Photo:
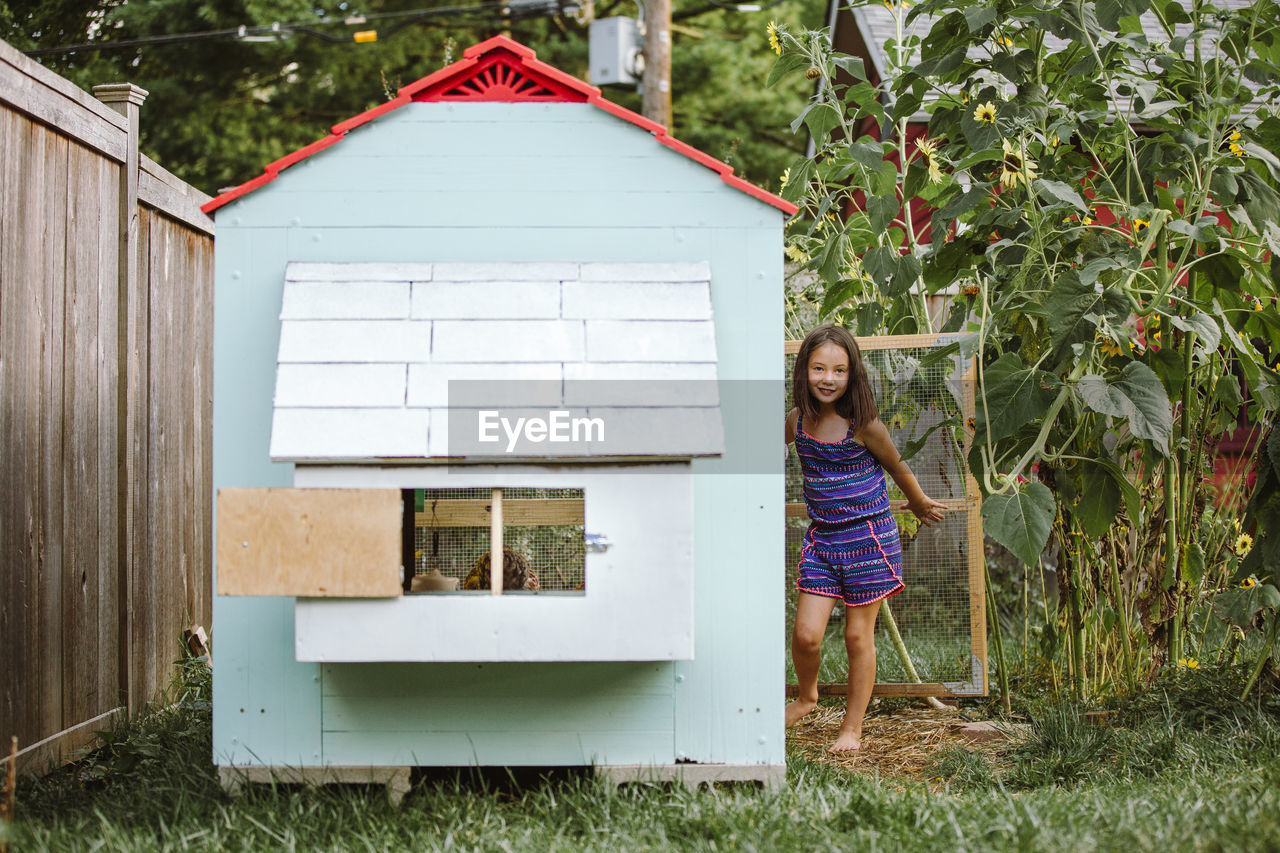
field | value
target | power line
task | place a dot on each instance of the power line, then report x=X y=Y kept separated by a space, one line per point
x=512 y=10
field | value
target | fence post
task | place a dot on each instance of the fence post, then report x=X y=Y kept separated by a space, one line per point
x=126 y=99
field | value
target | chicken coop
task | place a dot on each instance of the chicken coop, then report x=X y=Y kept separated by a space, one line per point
x=496 y=445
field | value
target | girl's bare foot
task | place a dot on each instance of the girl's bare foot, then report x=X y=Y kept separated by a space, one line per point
x=798 y=709
x=846 y=742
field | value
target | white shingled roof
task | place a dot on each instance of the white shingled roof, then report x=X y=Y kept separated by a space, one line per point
x=368 y=352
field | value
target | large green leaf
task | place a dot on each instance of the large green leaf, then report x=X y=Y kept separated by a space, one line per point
x=1099 y=501
x=1021 y=521
x=1015 y=395
x=1059 y=191
x=1132 y=500
x=1241 y=606
x=1073 y=307
x=1203 y=325
x=786 y=65
x=1136 y=394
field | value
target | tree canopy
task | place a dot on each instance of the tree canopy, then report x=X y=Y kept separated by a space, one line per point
x=218 y=109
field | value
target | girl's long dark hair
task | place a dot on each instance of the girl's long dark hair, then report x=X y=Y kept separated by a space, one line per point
x=857 y=403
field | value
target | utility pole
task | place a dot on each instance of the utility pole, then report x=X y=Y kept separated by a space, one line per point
x=656 y=104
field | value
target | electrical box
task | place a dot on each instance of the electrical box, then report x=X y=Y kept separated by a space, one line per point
x=616 y=52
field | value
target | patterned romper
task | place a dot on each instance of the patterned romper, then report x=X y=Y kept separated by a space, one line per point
x=851 y=549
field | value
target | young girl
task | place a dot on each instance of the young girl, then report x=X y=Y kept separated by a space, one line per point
x=851 y=550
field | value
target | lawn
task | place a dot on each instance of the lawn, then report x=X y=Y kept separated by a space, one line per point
x=1180 y=768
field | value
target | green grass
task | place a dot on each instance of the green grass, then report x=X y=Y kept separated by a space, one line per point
x=1188 y=769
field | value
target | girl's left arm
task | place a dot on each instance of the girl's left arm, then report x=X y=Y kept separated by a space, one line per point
x=876 y=438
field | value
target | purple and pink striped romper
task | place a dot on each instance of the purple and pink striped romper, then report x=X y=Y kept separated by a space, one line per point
x=851 y=549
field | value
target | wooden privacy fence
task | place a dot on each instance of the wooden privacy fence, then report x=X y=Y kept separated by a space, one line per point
x=106 y=286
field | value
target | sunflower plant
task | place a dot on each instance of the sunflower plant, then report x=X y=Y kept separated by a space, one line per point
x=1098 y=187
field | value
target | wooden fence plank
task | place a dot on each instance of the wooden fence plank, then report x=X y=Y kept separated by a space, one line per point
x=53 y=285
x=80 y=437
x=20 y=450
x=107 y=371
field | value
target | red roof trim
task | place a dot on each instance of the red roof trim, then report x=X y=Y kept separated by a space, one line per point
x=302 y=153
x=370 y=115
x=496 y=42
x=476 y=60
x=504 y=77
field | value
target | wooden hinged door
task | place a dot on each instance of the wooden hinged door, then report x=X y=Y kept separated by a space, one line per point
x=322 y=543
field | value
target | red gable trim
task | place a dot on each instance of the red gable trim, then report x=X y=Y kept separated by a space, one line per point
x=503 y=70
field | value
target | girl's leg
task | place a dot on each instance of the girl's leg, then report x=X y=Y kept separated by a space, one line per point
x=859 y=641
x=812 y=613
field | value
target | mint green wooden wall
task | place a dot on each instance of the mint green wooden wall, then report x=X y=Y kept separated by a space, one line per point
x=511 y=182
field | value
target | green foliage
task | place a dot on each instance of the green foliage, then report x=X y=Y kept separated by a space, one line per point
x=221 y=109
x=1020 y=521
x=1182 y=770
x=1103 y=190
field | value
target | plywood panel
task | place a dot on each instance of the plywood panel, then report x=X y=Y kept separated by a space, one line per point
x=342 y=543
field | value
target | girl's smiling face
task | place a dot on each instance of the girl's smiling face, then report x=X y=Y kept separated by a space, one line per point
x=828 y=373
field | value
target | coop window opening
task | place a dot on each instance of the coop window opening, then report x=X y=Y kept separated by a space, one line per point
x=453 y=538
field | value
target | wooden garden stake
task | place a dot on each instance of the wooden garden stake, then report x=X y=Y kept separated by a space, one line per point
x=495 y=544
x=10 y=783
x=1002 y=671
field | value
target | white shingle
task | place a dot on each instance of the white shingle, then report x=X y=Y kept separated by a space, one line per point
x=300 y=271
x=637 y=300
x=345 y=300
x=651 y=340
x=340 y=385
x=505 y=272
x=640 y=384
x=495 y=341
x=518 y=384
x=696 y=271
x=339 y=434
x=483 y=300
x=353 y=341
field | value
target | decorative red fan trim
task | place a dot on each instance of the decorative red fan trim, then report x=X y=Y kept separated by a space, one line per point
x=501 y=70
x=501 y=76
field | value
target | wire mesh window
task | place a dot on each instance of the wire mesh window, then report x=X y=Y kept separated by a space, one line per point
x=924 y=392
x=544 y=550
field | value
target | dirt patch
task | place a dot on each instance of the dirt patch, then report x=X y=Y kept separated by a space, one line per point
x=899 y=745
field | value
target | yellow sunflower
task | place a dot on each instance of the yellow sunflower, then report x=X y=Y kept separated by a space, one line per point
x=795 y=254
x=1244 y=544
x=1016 y=167
x=1140 y=225
x=1188 y=663
x=928 y=149
x=985 y=113
x=1249 y=582
x=1106 y=346
x=773 y=38
x=1233 y=143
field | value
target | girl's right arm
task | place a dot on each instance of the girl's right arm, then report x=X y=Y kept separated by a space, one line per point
x=791 y=425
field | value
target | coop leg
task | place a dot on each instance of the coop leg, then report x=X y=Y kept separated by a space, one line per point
x=232 y=781
x=397 y=785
